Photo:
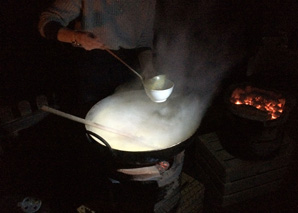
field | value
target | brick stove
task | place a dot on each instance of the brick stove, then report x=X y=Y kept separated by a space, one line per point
x=164 y=176
x=171 y=189
x=230 y=180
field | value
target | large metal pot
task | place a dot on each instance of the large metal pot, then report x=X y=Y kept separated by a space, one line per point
x=142 y=158
x=158 y=131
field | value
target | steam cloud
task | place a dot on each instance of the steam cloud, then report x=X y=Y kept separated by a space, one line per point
x=196 y=45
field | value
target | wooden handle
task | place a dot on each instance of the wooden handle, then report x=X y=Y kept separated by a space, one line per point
x=83 y=121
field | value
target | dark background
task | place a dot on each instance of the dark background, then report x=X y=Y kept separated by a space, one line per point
x=32 y=65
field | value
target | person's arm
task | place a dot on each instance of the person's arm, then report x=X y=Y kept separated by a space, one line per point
x=146 y=39
x=86 y=40
x=54 y=21
x=58 y=15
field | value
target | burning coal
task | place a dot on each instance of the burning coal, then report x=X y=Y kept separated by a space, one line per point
x=267 y=101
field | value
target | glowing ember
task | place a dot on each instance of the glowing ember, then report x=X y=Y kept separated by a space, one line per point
x=258 y=99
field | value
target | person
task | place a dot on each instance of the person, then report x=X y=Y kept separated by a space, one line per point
x=123 y=26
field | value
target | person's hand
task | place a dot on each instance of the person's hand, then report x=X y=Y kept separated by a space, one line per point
x=82 y=39
x=87 y=40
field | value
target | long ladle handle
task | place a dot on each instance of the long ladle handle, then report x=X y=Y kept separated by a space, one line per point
x=123 y=62
x=83 y=121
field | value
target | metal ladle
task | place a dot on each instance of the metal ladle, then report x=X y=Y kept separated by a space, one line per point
x=123 y=62
x=158 y=88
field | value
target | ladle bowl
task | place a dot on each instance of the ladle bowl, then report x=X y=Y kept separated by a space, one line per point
x=158 y=88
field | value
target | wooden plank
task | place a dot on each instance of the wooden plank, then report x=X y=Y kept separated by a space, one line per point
x=215 y=146
x=254 y=181
x=251 y=193
x=243 y=184
x=258 y=168
x=238 y=163
x=224 y=155
x=212 y=147
x=213 y=195
x=230 y=169
x=201 y=150
x=251 y=168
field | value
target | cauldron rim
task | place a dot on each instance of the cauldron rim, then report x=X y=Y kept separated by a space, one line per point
x=142 y=157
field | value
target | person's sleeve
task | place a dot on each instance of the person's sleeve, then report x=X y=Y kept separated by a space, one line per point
x=51 y=30
x=62 y=12
x=146 y=39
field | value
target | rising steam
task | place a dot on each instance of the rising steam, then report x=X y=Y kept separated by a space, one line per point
x=196 y=45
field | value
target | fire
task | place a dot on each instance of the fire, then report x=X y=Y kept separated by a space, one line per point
x=260 y=100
